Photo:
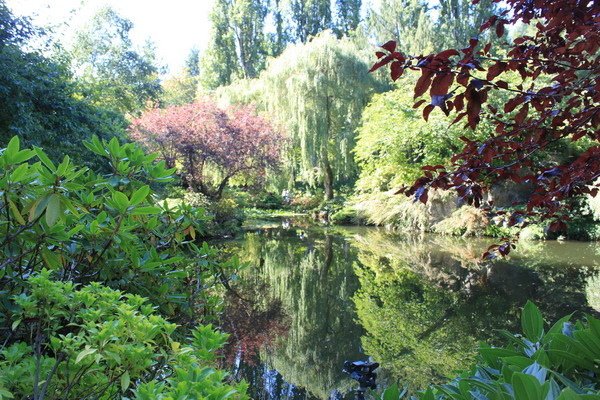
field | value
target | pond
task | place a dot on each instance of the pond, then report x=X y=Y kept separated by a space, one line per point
x=311 y=298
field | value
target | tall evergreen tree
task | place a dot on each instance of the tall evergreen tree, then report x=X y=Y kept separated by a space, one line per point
x=247 y=19
x=238 y=44
x=459 y=20
x=347 y=16
x=408 y=22
x=420 y=28
x=279 y=39
x=192 y=62
x=219 y=62
x=310 y=17
x=116 y=74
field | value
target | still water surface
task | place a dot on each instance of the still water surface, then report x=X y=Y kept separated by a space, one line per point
x=312 y=298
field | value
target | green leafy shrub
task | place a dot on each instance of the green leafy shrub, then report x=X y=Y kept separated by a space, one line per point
x=268 y=201
x=100 y=343
x=393 y=211
x=560 y=363
x=306 y=202
x=110 y=228
x=345 y=216
x=64 y=227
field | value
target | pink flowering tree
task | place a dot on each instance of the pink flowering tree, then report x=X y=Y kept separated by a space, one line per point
x=209 y=146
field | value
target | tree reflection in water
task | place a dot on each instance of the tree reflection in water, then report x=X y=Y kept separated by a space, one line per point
x=417 y=305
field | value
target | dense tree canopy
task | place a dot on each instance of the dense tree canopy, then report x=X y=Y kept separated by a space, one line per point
x=393 y=142
x=246 y=32
x=38 y=97
x=238 y=45
x=208 y=144
x=114 y=73
x=556 y=99
x=308 y=90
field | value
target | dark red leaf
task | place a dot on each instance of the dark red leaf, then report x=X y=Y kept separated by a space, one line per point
x=496 y=70
x=398 y=56
x=444 y=55
x=381 y=63
x=441 y=84
x=520 y=117
x=502 y=84
x=427 y=110
x=380 y=54
x=390 y=46
x=458 y=118
x=423 y=83
x=418 y=103
x=396 y=70
x=513 y=103
x=500 y=28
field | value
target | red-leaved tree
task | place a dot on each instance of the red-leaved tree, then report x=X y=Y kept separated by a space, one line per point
x=209 y=145
x=557 y=98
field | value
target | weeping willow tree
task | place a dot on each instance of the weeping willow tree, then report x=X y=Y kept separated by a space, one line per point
x=317 y=91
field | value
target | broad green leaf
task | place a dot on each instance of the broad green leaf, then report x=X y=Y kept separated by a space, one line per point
x=5 y=394
x=113 y=146
x=125 y=381
x=53 y=210
x=13 y=147
x=532 y=322
x=120 y=200
x=526 y=387
x=23 y=156
x=558 y=326
x=590 y=341
x=16 y=213
x=568 y=394
x=391 y=393
x=62 y=167
x=19 y=173
x=15 y=324
x=140 y=195
x=44 y=159
x=575 y=359
x=38 y=207
x=428 y=395
x=84 y=353
x=145 y=210
x=51 y=259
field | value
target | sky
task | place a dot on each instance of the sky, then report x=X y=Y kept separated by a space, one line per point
x=175 y=26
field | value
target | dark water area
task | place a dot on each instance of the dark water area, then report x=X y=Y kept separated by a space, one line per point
x=311 y=298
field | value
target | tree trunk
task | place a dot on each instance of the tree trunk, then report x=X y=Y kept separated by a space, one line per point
x=215 y=194
x=327 y=171
x=327 y=177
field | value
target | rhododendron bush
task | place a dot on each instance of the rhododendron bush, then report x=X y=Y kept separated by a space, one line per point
x=555 y=99
x=209 y=145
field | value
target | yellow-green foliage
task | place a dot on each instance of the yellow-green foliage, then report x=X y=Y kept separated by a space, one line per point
x=466 y=221
x=399 y=212
x=101 y=342
x=394 y=141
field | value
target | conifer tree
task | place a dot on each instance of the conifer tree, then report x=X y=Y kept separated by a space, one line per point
x=347 y=16
x=192 y=62
x=310 y=17
x=406 y=21
x=218 y=64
